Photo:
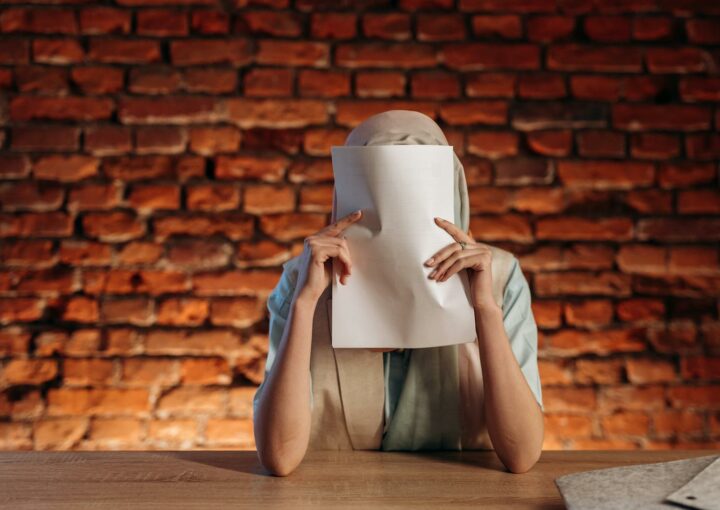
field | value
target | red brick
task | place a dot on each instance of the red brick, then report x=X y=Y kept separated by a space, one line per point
x=154 y=81
x=379 y=84
x=699 y=202
x=39 y=21
x=676 y=60
x=14 y=51
x=522 y=171
x=21 y=309
x=83 y=253
x=700 y=88
x=391 y=26
x=171 y=110
x=210 y=22
x=608 y=28
x=81 y=309
x=134 y=311
x=643 y=398
x=687 y=397
x=270 y=23
x=648 y=371
x=518 y=6
x=578 y=283
x=640 y=258
x=86 y=371
x=213 y=197
x=160 y=140
x=655 y=146
x=541 y=86
x=94 y=401
x=98 y=80
x=626 y=424
x=678 y=229
x=294 y=53
x=490 y=85
x=189 y=52
x=124 y=51
x=210 y=80
x=248 y=113
x=214 y=140
x=575 y=57
x=650 y=201
x=598 y=371
x=674 y=337
x=314 y=83
x=290 y=226
x=266 y=199
x=440 y=27
x=43 y=224
x=474 y=112
x=685 y=174
x=65 y=168
x=550 y=143
x=182 y=312
x=550 y=28
x=161 y=22
x=652 y=28
x=205 y=371
x=24 y=108
x=693 y=260
x=333 y=25
x=601 y=143
x=673 y=423
x=138 y=252
x=661 y=117
x=701 y=367
x=29 y=371
x=505 y=26
x=269 y=169
x=606 y=174
x=529 y=116
x=383 y=54
x=94 y=197
x=640 y=309
x=481 y=56
x=149 y=198
x=104 y=20
x=595 y=87
x=235 y=283
x=45 y=138
x=703 y=146
x=493 y=144
x=41 y=79
x=113 y=227
x=567 y=425
x=231 y=224
x=434 y=85
x=30 y=196
x=702 y=31
x=589 y=314
x=107 y=140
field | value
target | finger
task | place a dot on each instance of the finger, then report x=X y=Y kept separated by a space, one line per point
x=445 y=264
x=453 y=230
x=456 y=267
x=344 y=255
x=335 y=228
x=442 y=254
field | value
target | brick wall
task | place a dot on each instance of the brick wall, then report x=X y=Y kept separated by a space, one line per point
x=162 y=158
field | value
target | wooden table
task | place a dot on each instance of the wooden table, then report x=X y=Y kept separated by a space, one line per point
x=235 y=479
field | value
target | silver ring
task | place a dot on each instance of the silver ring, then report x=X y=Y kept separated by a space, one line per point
x=462 y=244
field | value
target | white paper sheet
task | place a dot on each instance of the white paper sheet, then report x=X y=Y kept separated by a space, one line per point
x=389 y=301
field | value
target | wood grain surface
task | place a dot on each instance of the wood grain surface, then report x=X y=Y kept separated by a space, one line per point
x=235 y=479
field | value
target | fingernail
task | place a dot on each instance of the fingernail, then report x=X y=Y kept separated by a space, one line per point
x=356 y=212
x=429 y=261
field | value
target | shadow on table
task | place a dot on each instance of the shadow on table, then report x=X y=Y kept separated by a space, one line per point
x=228 y=460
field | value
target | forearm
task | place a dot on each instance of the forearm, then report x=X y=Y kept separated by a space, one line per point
x=282 y=421
x=514 y=418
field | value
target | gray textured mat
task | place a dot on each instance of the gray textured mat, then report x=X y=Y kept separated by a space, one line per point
x=703 y=491
x=631 y=487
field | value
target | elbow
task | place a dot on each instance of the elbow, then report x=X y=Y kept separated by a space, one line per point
x=522 y=464
x=277 y=466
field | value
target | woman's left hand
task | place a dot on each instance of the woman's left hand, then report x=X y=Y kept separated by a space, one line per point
x=476 y=257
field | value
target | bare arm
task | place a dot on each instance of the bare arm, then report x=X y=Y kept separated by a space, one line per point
x=514 y=418
x=282 y=420
x=283 y=413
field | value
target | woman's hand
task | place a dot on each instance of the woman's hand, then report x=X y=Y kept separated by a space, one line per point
x=320 y=249
x=476 y=257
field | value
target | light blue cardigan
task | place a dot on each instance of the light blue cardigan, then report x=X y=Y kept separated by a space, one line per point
x=405 y=430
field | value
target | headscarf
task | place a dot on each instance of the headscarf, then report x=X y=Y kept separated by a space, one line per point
x=426 y=413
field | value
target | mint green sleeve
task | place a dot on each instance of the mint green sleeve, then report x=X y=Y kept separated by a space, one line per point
x=521 y=327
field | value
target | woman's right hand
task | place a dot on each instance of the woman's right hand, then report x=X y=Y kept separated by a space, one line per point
x=320 y=248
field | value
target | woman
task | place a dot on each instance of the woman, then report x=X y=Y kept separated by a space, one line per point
x=484 y=394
